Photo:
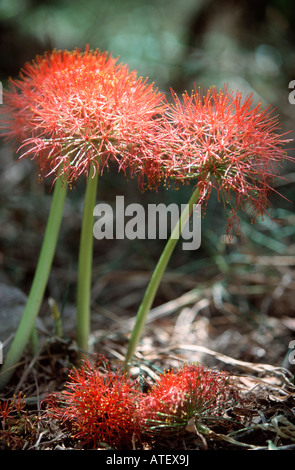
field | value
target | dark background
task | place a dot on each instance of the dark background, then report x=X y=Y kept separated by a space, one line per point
x=247 y=44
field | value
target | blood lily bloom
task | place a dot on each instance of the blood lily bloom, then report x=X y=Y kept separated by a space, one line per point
x=181 y=398
x=98 y=405
x=224 y=143
x=72 y=112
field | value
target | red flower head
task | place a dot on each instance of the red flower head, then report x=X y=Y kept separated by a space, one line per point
x=192 y=392
x=98 y=405
x=226 y=144
x=72 y=110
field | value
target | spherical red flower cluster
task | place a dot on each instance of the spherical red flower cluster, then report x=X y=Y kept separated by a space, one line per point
x=190 y=392
x=73 y=110
x=227 y=144
x=101 y=405
x=98 y=405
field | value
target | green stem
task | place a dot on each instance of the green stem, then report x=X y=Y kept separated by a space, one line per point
x=40 y=280
x=156 y=279
x=85 y=263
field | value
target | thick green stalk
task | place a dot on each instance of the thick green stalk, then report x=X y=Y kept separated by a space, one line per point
x=85 y=263
x=40 y=280
x=156 y=279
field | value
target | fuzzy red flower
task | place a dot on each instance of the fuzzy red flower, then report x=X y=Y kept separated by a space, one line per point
x=191 y=392
x=226 y=144
x=72 y=110
x=98 y=405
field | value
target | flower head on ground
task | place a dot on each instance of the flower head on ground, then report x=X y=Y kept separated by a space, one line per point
x=224 y=143
x=191 y=392
x=98 y=405
x=71 y=110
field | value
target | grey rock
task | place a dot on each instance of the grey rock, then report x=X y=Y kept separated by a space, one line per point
x=12 y=304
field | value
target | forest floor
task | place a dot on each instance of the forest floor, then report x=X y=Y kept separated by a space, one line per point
x=230 y=309
x=201 y=325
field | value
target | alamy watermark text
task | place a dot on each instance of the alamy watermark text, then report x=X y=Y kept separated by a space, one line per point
x=292 y=93
x=158 y=221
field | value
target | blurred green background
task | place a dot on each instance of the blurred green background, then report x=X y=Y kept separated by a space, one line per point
x=248 y=44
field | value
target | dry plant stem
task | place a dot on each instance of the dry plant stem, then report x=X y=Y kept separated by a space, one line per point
x=156 y=279
x=85 y=263
x=40 y=280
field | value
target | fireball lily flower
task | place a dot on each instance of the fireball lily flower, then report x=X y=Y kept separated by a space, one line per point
x=98 y=405
x=226 y=144
x=190 y=393
x=76 y=110
x=223 y=143
x=72 y=112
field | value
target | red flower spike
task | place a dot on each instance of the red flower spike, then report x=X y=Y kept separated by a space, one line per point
x=19 y=402
x=6 y=411
x=226 y=144
x=98 y=405
x=180 y=395
x=73 y=110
